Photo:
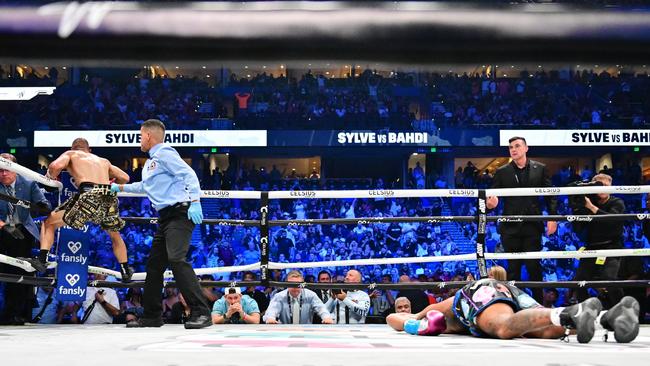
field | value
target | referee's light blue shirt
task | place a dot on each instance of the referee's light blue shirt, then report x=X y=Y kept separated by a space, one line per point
x=166 y=178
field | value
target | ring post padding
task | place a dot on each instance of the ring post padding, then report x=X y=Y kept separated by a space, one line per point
x=481 y=224
x=264 y=238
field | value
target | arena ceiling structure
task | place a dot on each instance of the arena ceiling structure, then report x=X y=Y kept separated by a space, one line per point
x=130 y=33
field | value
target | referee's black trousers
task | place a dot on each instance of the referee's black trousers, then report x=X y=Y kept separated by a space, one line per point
x=169 y=249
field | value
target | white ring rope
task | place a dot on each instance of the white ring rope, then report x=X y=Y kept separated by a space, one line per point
x=21 y=170
x=140 y=276
x=405 y=193
x=471 y=256
x=561 y=191
x=254 y=195
x=375 y=193
x=417 y=193
x=372 y=262
x=368 y=262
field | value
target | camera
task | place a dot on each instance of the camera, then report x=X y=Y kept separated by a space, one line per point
x=577 y=201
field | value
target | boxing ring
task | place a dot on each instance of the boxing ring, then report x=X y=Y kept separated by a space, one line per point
x=367 y=344
x=314 y=345
x=434 y=33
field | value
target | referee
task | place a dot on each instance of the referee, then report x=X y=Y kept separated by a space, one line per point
x=174 y=191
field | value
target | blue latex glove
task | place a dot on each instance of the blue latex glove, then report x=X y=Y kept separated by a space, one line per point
x=115 y=188
x=195 y=213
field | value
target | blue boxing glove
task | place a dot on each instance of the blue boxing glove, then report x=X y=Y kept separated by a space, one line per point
x=115 y=188
x=195 y=213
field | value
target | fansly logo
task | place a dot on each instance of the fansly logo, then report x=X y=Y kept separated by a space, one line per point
x=72 y=280
x=510 y=219
x=381 y=192
x=580 y=218
x=77 y=291
x=305 y=194
x=74 y=247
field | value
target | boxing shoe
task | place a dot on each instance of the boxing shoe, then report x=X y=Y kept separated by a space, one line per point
x=623 y=320
x=432 y=324
x=582 y=318
x=127 y=273
x=36 y=263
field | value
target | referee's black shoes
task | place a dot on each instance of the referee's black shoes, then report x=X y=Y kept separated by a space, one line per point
x=198 y=322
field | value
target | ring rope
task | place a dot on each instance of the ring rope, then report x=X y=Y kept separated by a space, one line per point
x=21 y=170
x=643 y=252
x=264 y=223
x=51 y=282
x=222 y=222
x=440 y=219
x=418 y=193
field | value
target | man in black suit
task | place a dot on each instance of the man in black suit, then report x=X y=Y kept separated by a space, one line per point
x=18 y=234
x=523 y=236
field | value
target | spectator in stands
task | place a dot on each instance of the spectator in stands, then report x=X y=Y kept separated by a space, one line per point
x=257 y=295
x=235 y=308
x=403 y=305
x=418 y=299
x=296 y=305
x=101 y=304
x=349 y=307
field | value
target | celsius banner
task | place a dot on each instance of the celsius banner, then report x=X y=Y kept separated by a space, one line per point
x=579 y=137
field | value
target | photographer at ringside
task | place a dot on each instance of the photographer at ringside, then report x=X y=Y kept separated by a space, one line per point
x=599 y=235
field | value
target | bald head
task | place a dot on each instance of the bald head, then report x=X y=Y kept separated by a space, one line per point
x=404 y=278
x=353 y=276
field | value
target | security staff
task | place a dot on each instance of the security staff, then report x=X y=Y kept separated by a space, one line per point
x=174 y=191
x=523 y=236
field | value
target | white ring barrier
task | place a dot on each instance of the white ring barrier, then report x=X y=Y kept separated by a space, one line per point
x=406 y=193
x=253 y=195
x=563 y=191
x=372 y=262
x=471 y=256
x=22 y=171
x=375 y=193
